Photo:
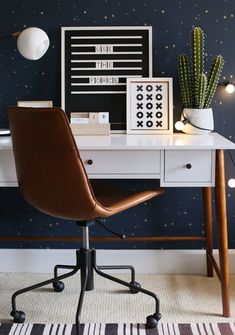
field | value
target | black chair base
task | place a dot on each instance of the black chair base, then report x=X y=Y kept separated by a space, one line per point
x=86 y=263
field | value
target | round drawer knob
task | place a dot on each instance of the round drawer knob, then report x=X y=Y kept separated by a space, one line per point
x=188 y=166
x=89 y=161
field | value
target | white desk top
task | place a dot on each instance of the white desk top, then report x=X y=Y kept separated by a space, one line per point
x=146 y=142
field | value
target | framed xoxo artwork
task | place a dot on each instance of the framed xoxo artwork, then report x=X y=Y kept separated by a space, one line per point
x=149 y=106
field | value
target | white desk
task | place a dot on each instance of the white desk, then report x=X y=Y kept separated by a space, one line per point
x=177 y=160
x=163 y=157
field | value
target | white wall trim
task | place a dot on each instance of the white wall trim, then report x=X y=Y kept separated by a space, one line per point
x=144 y=261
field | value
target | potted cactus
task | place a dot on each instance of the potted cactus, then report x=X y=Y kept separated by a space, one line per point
x=198 y=88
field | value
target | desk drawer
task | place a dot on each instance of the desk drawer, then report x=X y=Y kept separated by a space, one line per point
x=189 y=167
x=122 y=162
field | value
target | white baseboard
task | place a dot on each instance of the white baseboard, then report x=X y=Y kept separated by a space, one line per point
x=144 y=261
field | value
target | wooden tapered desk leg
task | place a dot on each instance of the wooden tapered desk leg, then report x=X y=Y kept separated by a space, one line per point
x=207 y=202
x=221 y=219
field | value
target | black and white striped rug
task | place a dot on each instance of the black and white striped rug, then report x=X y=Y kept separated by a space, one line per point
x=119 y=329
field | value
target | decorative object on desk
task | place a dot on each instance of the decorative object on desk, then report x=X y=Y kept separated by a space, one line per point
x=79 y=118
x=95 y=64
x=91 y=129
x=94 y=117
x=196 y=121
x=102 y=117
x=197 y=90
x=35 y=103
x=32 y=44
x=149 y=106
x=90 y=123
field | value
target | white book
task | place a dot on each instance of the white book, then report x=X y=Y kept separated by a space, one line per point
x=79 y=115
x=79 y=120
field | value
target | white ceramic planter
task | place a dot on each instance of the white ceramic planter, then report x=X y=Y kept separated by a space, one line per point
x=202 y=118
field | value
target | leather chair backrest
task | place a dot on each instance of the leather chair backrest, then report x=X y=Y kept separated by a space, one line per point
x=50 y=172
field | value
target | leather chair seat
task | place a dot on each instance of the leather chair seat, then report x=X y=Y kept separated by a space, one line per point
x=113 y=200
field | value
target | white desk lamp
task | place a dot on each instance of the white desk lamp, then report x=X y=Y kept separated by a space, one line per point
x=32 y=44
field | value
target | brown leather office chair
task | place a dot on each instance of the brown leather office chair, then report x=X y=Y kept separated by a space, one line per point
x=52 y=178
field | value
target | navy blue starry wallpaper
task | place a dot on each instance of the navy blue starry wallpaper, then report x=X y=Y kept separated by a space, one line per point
x=179 y=211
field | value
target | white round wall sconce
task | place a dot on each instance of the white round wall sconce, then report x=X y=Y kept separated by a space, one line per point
x=32 y=43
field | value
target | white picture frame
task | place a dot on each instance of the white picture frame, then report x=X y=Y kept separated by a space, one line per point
x=149 y=106
x=35 y=103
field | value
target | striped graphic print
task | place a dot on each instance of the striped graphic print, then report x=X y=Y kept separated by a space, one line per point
x=119 y=329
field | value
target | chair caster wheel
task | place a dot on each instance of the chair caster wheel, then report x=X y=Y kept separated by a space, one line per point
x=18 y=316
x=152 y=320
x=135 y=284
x=58 y=286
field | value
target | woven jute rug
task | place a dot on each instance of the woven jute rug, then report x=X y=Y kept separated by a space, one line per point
x=119 y=329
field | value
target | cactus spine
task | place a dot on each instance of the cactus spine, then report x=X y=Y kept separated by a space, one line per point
x=185 y=80
x=202 y=85
x=197 y=51
x=197 y=90
x=213 y=78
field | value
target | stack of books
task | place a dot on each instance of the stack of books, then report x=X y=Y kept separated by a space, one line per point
x=90 y=123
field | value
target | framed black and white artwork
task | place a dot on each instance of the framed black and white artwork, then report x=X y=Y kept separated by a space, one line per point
x=149 y=106
x=96 y=61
